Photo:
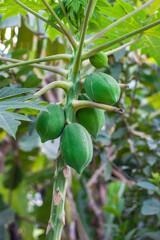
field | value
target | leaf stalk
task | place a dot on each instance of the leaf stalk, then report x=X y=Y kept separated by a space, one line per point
x=98 y=35
x=58 y=84
x=39 y=16
x=63 y=27
x=19 y=63
x=78 y=104
x=115 y=41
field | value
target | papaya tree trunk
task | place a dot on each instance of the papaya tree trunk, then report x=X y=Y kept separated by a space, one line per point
x=57 y=216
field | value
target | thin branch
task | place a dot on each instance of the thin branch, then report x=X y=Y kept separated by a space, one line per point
x=124 y=37
x=44 y=59
x=58 y=84
x=78 y=104
x=32 y=222
x=134 y=90
x=57 y=70
x=65 y=14
x=122 y=178
x=131 y=142
x=65 y=30
x=97 y=210
x=39 y=16
x=123 y=46
x=96 y=36
x=87 y=62
x=140 y=134
x=75 y=217
x=123 y=86
x=77 y=61
x=99 y=171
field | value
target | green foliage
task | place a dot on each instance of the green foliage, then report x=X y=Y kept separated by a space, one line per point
x=149 y=43
x=117 y=196
x=155 y=178
x=75 y=11
x=9 y=121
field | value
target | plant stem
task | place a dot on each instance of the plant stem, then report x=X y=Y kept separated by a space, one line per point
x=57 y=216
x=78 y=104
x=58 y=84
x=87 y=62
x=44 y=59
x=90 y=40
x=57 y=70
x=124 y=37
x=122 y=47
x=123 y=86
x=39 y=16
x=65 y=30
x=65 y=14
x=77 y=61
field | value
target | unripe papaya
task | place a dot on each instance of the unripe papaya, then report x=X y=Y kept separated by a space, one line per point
x=102 y=88
x=49 y=125
x=99 y=60
x=91 y=118
x=76 y=146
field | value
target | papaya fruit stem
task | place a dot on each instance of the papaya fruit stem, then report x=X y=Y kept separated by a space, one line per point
x=78 y=104
x=57 y=215
x=63 y=27
x=58 y=84
x=98 y=35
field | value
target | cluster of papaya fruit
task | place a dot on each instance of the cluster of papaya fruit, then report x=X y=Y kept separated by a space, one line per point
x=76 y=143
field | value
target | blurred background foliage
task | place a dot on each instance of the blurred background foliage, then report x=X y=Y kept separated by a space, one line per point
x=117 y=196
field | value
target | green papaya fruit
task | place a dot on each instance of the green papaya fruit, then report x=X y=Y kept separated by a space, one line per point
x=102 y=88
x=76 y=146
x=49 y=125
x=99 y=60
x=91 y=118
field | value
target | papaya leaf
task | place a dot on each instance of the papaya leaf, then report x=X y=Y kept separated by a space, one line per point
x=10 y=4
x=12 y=91
x=10 y=21
x=149 y=42
x=9 y=121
